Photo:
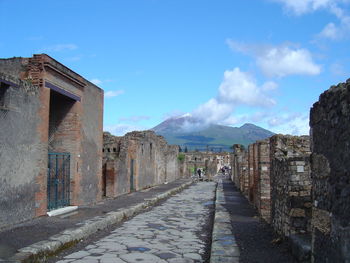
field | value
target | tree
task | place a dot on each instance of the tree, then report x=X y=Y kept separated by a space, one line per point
x=180 y=149
x=185 y=149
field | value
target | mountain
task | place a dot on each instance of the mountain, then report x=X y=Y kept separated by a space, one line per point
x=189 y=132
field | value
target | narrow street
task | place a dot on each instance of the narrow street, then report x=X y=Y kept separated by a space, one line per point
x=176 y=231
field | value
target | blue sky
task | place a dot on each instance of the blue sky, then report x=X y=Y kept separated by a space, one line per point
x=225 y=61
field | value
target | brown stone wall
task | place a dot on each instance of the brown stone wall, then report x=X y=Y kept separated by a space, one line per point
x=23 y=151
x=256 y=199
x=209 y=161
x=330 y=132
x=236 y=170
x=251 y=172
x=136 y=161
x=68 y=119
x=290 y=184
x=264 y=184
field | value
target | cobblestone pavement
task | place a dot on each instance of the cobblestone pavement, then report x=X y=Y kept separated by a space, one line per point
x=173 y=232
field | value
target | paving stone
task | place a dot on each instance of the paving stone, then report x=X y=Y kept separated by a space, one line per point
x=166 y=255
x=141 y=257
x=194 y=256
x=79 y=254
x=180 y=260
x=111 y=260
x=168 y=233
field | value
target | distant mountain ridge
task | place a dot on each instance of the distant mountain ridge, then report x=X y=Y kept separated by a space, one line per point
x=190 y=132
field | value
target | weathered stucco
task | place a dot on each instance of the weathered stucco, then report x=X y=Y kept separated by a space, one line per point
x=42 y=117
x=20 y=151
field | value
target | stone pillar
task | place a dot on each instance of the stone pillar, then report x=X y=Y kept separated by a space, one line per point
x=330 y=132
x=264 y=187
x=290 y=184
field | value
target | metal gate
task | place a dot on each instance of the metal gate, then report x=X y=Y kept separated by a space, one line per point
x=132 y=175
x=58 y=180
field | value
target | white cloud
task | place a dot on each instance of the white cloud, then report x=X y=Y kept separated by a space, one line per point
x=122 y=129
x=284 y=61
x=240 y=88
x=237 y=88
x=300 y=7
x=172 y=114
x=331 y=31
x=96 y=81
x=279 y=61
x=113 y=93
x=213 y=111
x=269 y=85
x=335 y=7
x=134 y=118
x=294 y=124
x=60 y=47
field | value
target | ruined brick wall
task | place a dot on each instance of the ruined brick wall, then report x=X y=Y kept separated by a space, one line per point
x=330 y=132
x=255 y=198
x=264 y=184
x=290 y=184
x=251 y=172
x=240 y=172
x=236 y=165
x=210 y=162
x=136 y=161
x=23 y=153
x=245 y=174
x=68 y=120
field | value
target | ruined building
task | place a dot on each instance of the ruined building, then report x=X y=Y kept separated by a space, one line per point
x=290 y=184
x=136 y=161
x=209 y=162
x=50 y=138
x=330 y=162
x=274 y=175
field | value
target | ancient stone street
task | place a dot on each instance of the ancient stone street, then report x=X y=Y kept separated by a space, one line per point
x=175 y=231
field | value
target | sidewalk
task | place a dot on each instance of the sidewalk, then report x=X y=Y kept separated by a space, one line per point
x=42 y=236
x=247 y=239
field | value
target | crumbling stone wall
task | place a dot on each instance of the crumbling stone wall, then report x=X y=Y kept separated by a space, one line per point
x=21 y=149
x=330 y=132
x=239 y=167
x=264 y=183
x=47 y=108
x=236 y=160
x=136 y=161
x=290 y=184
x=251 y=168
x=209 y=161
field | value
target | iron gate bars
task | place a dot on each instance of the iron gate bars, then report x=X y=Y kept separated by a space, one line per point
x=58 y=180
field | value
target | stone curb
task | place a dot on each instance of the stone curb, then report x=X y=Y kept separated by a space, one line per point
x=224 y=247
x=40 y=251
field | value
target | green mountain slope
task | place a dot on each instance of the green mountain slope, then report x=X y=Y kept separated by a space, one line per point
x=214 y=137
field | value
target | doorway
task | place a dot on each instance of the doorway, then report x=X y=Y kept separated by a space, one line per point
x=61 y=141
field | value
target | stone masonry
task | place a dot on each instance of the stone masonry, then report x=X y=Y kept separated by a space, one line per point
x=210 y=162
x=239 y=166
x=136 y=161
x=330 y=162
x=290 y=184
x=264 y=183
x=274 y=174
x=45 y=108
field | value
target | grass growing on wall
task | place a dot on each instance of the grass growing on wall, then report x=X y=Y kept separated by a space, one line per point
x=181 y=157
